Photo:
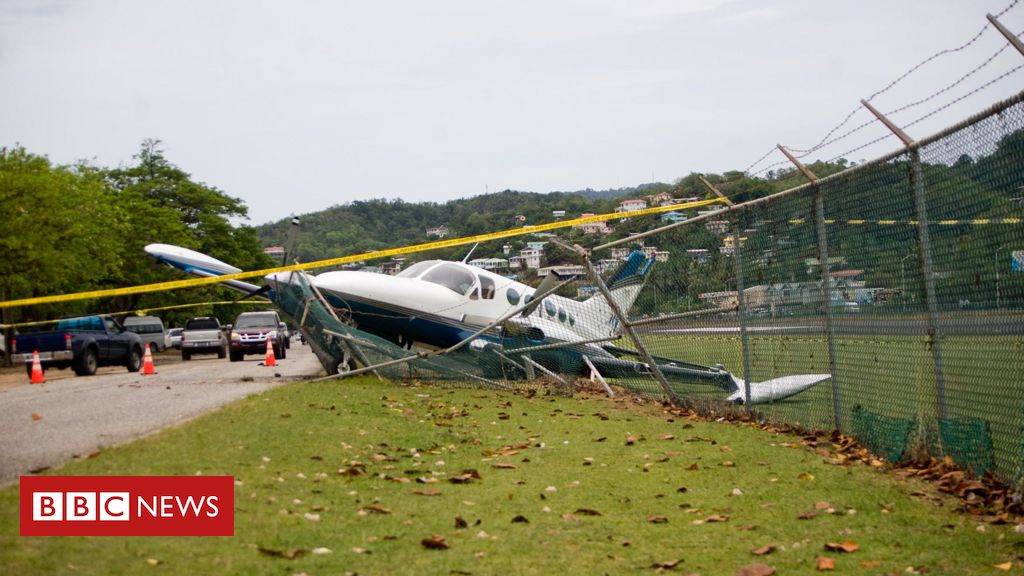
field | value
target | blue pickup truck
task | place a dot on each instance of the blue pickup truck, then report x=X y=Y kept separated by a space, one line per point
x=82 y=344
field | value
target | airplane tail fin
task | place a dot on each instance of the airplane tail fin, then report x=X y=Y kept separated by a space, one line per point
x=625 y=285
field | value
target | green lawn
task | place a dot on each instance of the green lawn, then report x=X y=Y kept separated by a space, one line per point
x=890 y=376
x=360 y=472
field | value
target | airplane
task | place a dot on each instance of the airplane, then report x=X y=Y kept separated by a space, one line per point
x=436 y=304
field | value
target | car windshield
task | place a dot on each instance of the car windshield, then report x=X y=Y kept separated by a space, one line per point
x=256 y=321
x=202 y=324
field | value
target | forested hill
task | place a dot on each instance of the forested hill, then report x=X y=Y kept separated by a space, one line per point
x=377 y=224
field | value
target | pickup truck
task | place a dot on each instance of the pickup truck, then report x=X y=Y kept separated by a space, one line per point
x=203 y=335
x=82 y=344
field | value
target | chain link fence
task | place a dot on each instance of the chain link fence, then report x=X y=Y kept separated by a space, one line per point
x=886 y=302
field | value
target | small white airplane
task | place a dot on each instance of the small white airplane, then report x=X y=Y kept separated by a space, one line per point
x=437 y=304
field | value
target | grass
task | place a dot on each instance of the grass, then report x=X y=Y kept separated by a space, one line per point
x=890 y=375
x=666 y=489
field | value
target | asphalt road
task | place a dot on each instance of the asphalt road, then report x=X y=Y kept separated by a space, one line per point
x=70 y=417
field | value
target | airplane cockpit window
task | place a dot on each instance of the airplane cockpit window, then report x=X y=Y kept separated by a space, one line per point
x=417 y=269
x=451 y=277
x=486 y=288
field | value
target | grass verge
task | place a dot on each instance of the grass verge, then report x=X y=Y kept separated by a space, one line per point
x=353 y=476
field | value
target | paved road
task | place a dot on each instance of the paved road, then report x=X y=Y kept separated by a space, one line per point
x=77 y=416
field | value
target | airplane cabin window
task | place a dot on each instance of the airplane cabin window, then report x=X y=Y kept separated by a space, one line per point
x=561 y=315
x=451 y=277
x=513 y=296
x=486 y=288
x=550 y=308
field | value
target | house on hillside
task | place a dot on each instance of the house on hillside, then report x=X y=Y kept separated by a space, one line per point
x=439 y=231
x=699 y=255
x=659 y=199
x=673 y=217
x=558 y=214
x=275 y=252
x=632 y=205
x=531 y=257
x=592 y=227
x=496 y=265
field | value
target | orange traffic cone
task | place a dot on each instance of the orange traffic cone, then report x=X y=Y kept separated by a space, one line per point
x=37 y=369
x=270 y=360
x=147 y=363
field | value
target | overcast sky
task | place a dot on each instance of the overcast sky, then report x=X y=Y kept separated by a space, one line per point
x=297 y=106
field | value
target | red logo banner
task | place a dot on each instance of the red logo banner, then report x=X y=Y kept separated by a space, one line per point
x=127 y=506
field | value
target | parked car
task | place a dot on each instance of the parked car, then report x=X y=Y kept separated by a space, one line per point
x=174 y=337
x=82 y=344
x=286 y=335
x=250 y=333
x=203 y=335
x=150 y=329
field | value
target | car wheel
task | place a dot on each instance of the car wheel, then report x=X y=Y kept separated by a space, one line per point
x=85 y=365
x=134 y=360
x=236 y=356
x=186 y=356
x=222 y=352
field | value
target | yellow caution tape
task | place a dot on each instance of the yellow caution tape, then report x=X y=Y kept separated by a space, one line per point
x=193 y=282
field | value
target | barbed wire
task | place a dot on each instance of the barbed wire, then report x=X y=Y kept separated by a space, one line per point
x=964 y=96
x=828 y=140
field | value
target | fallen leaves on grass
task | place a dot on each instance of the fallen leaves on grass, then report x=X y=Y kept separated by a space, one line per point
x=848 y=546
x=587 y=512
x=657 y=519
x=824 y=563
x=427 y=492
x=763 y=550
x=435 y=542
x=375 y=508
x=667 y=564
x=290 y=554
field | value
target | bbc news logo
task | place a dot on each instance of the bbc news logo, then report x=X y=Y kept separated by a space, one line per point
x=127 y=506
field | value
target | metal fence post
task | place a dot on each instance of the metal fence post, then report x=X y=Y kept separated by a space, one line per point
x=741 y=304
x=826 y=283
x=916 y=179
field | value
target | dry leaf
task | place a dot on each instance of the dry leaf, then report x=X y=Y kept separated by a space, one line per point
x=520 y=519
x=823 y=563
x=657 y=519
x=667 y=436
x=376 y=509
x=806 y=476
x=1005 y=566
x=848 y=546
x=504 y=466
x=716 y=518
x=587 y=512
x=36 y=417
x=570 y=518
x=822 y=505
x=290 y=554
x=632 y=440
x=435 y=542
x=666 y=565
x=763 y=550
x=460 y=522
x=427 y=492
x=153 y=561
x=807 y=515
